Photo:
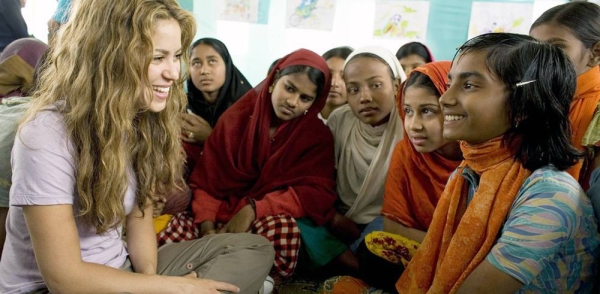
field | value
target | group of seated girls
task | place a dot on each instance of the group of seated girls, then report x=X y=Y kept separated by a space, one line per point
x=382 y=171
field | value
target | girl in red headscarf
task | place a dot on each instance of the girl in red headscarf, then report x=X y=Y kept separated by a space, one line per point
x=270 y=160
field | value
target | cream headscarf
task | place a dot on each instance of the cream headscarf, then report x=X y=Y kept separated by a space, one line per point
x=363 y=152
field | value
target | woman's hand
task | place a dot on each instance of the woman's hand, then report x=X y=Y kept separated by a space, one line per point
x=343 y=228
x=194 y=284
x=158 y=204
x=194 y=129
x=240 y=222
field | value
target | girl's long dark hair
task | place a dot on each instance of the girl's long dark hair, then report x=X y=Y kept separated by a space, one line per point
x=540 y=82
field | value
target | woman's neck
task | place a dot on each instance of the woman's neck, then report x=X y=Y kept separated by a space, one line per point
x=210 y=97
x=450 y=151
x=275 y=123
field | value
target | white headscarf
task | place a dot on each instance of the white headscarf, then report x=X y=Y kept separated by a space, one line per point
x=363 y=152
x=384 y=54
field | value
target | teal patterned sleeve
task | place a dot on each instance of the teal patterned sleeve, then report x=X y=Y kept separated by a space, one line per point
x=550 y=237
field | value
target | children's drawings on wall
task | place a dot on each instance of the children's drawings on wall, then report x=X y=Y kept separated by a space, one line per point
x=497 y=17
x=252 y=11
x=401 y=19
x=310 y=14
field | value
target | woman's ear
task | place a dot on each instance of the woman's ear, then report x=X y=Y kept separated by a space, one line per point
x=272 y=86
x=396 y=86
x=595 y=56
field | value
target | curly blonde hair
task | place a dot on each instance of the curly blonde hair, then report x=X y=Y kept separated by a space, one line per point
x=94 y=75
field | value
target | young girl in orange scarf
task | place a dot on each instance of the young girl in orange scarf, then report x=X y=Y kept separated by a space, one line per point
x=423 y=161
x=510 y=219
x=575 y=28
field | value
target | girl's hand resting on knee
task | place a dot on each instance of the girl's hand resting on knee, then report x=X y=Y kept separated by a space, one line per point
x=240 y=222
x=199 y=285
x=343 y=228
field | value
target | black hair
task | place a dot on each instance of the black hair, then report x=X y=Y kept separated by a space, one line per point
x=370 y=55
x=581 y=18
x=314 y=75
x=233 y=88
x=538 y=111
x=272 y=66
x=341 y=52
x=215 y=44
x=414 y=48
x=421 y=80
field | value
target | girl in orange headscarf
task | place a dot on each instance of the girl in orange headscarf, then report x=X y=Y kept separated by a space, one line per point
x=575 y=28
x=510 y=219
x=422 y=163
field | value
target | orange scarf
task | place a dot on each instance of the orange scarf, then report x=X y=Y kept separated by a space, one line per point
x=461 y=236
x=583 y=107
x=416 y=180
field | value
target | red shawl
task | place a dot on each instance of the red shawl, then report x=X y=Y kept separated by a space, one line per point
x=416 y=180
x=240 y=161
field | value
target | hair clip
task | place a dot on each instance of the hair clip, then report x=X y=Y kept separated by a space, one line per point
x=519 y=84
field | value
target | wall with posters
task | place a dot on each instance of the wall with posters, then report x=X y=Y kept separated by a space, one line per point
x=259 y=31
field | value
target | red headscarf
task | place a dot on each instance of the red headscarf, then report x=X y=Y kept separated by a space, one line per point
x=240 y=161
x=416 y=180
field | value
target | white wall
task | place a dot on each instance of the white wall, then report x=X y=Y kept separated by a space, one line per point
x=36 y=14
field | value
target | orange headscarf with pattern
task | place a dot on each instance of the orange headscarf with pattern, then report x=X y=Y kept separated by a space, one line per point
x=416 y=180
x=460 y=236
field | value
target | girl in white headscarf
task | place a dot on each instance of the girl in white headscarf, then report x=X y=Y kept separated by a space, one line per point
x=366 y=131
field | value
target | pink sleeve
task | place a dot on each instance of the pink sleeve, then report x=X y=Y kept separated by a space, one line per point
x=204 y=206
x=280 y=202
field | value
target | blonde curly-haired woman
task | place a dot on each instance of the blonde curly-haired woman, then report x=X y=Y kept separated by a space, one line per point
x=98 y=145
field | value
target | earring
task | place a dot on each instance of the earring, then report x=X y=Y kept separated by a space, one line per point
x=271 y=89
x=305 y=112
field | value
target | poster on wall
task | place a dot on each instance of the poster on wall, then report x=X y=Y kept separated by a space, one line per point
x=499 y=17
x=252 y=11
x=401 y=19
x=310 y=14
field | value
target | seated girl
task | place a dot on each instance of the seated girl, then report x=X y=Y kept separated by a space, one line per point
x=270 y=161
x=365 y=131
x=510 y=219
x=575 y=28
x=337 y=93
x=423 y=161
x=97 y=144
x=419 y=170
x=213 y=86
x=412 y=55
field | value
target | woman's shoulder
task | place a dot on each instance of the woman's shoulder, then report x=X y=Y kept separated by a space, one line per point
x=340 y=116
x=549 y=176
x=46 y=118
x=341 y=112
x=553 y=187
x=45 y=127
